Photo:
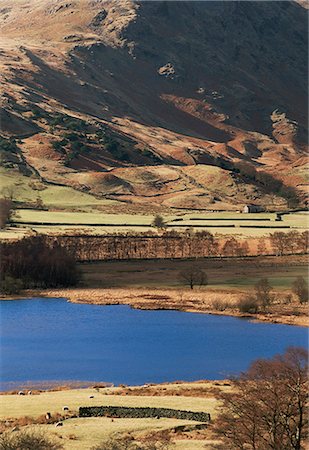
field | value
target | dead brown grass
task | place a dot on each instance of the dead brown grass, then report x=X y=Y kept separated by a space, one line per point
x=196 y=301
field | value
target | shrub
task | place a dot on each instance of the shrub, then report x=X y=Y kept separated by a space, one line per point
x=27 y=440
x=248 y=305
x=220 y=305
x=117 y=443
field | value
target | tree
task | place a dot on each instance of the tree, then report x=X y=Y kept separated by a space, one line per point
x=300 y=289
x=248 y=304
x=279 y=242
x=38 y=262
x=243 y=249
x=231 y=247
x=263 y=292
x=261 y=248
x=193 y=276
x=6 y=211
x=267 y=408
x=158 y=222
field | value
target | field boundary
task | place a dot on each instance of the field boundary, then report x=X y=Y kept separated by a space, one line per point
x=141 y=413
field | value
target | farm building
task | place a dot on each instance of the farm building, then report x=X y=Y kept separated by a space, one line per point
x=253 y=209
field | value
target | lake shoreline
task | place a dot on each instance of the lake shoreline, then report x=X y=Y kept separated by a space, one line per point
x=210 y=301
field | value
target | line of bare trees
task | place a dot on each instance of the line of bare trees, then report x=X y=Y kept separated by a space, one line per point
x=172 y=244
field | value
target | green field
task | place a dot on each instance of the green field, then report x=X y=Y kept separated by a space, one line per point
x=100 y=223
x=226 y=273
x=26 y=189
x=35 y=405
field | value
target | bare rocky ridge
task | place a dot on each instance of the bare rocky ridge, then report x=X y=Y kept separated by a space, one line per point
x=182 y=91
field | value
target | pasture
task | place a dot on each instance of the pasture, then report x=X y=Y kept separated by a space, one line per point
x=83 y=433
x=100 y=223
x=225 y=273
x=67 y=210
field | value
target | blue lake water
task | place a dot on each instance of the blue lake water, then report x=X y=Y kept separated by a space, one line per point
x=51 y=339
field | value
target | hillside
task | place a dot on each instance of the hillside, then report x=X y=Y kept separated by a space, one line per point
x=184 y=104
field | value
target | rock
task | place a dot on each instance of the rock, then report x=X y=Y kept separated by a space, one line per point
x=168 y=71
x=59 y=424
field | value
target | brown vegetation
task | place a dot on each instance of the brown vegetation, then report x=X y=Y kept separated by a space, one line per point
x=300 y=289
x=268 y=408
x=173 y=244
x=187 y=134
x=27 y=440
x=185 y=300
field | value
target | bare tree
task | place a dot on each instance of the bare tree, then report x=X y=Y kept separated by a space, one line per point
x=263 y=292
x=267 y=408
x=231 y=247
x=261 y=248
x=279 y=242
x=300 y=289
x=193 y=276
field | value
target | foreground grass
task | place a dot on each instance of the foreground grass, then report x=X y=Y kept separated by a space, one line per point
x=83 y=433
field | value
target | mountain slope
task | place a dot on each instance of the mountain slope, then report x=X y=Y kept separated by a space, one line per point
x=135 y=100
